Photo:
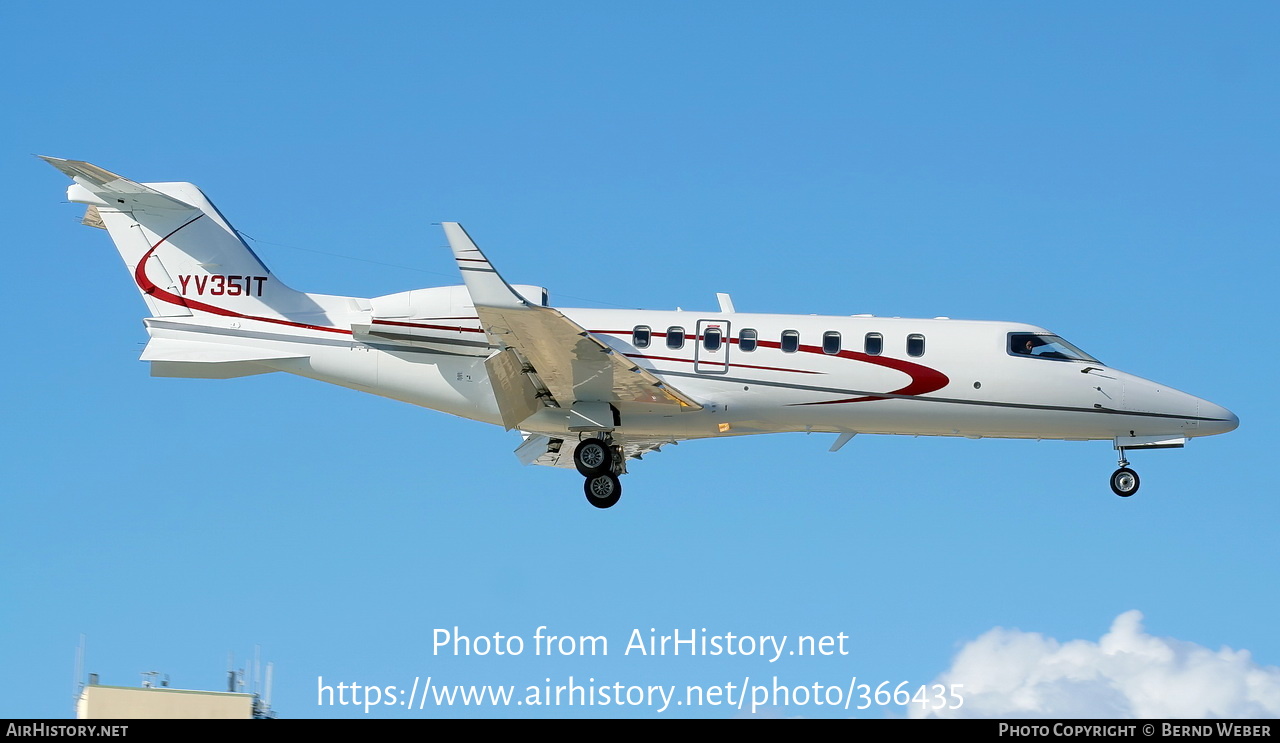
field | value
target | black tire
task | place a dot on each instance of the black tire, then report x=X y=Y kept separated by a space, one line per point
x=1124 y=482
x=593 y=457
x=603 y=490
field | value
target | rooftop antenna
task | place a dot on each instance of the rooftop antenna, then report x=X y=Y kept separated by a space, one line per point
x=262 y=704
x=77 y=684
x=257 y=669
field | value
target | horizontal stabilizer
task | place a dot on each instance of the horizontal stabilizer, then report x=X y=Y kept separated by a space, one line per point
x=195 y=352
x=195 y=370
x=109 y=189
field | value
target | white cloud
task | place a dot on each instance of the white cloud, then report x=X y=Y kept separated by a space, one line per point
x=1126 y=673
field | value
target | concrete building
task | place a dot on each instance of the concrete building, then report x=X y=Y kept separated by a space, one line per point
x=143 y=702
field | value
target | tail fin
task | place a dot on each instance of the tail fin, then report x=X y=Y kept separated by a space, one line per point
x=184 y=256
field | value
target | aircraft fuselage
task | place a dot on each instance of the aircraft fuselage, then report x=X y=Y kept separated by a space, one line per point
x=593 y=388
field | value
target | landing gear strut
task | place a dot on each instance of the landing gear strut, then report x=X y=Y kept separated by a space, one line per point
x=1124 y=481
x=600 y=463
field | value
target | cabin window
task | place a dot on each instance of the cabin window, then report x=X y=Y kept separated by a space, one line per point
x=711 y=338
x=790 y=341
x=915 y=345
x=747 y=339
x=874 y=344
x=831 y=342
x=640 y=336
x=675 y=337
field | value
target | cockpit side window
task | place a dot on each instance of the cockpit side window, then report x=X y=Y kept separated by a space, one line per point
x=1046 y=346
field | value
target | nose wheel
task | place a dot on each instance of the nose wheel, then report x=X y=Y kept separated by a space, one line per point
x=1124 y=481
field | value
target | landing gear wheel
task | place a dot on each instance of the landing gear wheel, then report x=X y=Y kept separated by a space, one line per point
x=603 y=490
x=593 y=457
x=1124 y=482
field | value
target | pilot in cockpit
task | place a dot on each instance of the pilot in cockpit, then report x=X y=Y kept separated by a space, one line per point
x=1039 y=348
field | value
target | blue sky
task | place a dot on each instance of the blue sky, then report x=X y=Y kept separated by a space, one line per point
x=1106 y=171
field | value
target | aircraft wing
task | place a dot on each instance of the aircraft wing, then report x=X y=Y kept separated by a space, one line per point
x=576 y=368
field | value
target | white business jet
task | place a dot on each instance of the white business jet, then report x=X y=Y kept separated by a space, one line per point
x=593 y=389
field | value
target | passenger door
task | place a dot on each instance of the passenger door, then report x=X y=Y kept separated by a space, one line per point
x=711 y=355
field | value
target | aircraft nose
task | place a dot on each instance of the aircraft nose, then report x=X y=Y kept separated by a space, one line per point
x=1223 y=420
x=1200 y=417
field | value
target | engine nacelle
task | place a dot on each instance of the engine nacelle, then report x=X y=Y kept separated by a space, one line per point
x=441 y=319
x=440 y=302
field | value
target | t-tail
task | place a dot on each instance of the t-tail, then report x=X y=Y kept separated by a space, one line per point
x=200 y=280
x=182 y=254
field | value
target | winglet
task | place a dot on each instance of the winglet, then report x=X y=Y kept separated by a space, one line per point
x=486 y=285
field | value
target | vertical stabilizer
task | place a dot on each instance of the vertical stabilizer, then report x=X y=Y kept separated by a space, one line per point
x=182 y=254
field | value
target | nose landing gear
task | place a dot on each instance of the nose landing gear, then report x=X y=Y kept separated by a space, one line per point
x=1124 y=481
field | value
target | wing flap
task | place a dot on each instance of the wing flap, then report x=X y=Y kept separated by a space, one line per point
x=517 y=397
x=574 y=364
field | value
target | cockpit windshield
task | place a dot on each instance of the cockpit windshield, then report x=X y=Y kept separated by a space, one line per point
x=1045 y=346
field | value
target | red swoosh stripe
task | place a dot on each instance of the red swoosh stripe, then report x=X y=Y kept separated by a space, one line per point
x=923 y=378
x=719 y=363
x=148 y=287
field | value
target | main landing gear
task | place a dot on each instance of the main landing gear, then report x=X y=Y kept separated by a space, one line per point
x=600 y=462
x=1124 y=481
